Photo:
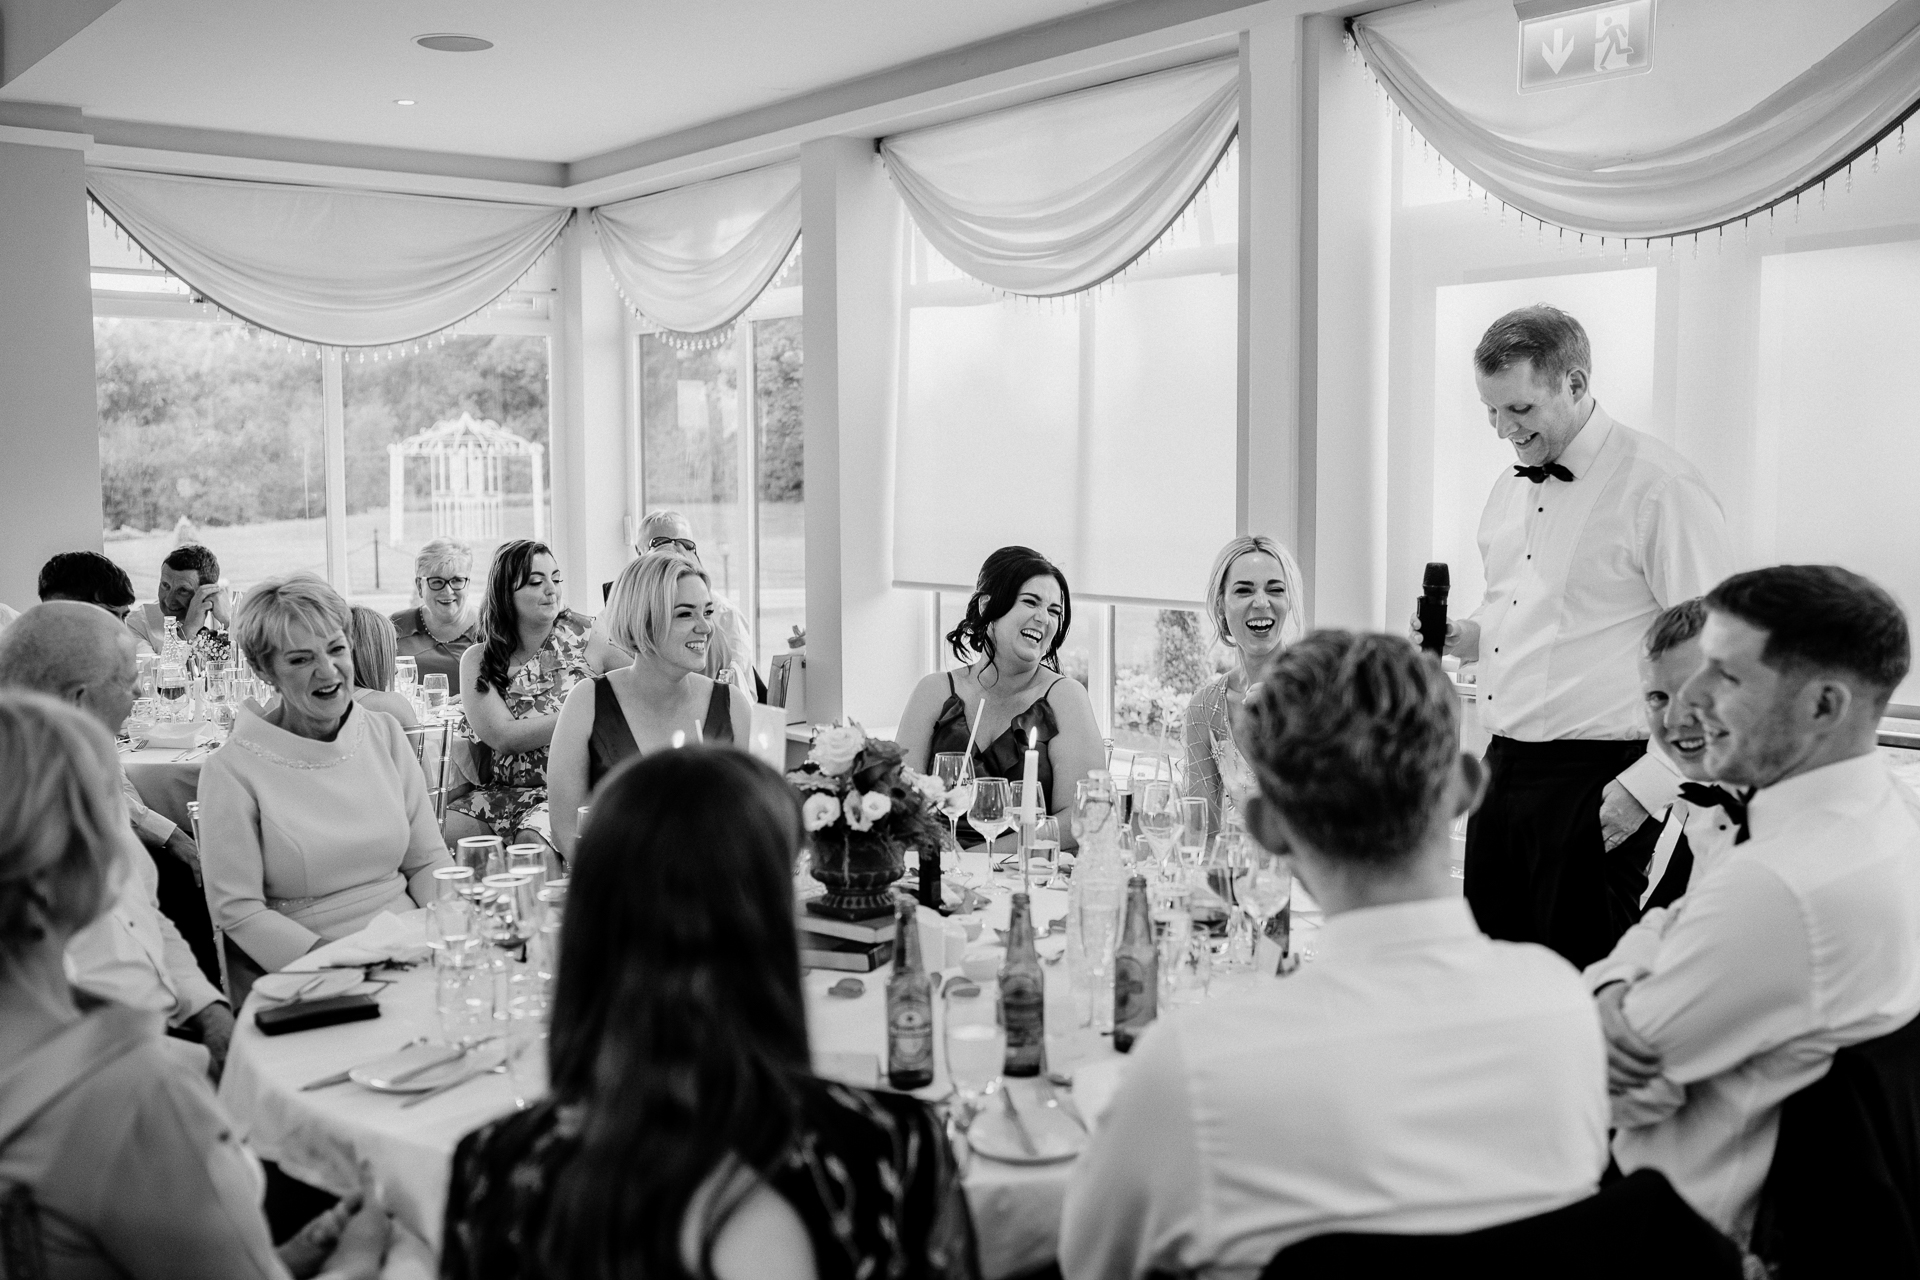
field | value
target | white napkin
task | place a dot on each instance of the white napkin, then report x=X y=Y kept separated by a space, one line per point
x=386 y=937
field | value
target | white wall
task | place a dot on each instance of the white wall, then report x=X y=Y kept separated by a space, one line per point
x=49 y=425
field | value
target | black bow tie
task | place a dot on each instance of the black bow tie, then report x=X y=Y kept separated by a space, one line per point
x=1700 y=796
x=1539 y=474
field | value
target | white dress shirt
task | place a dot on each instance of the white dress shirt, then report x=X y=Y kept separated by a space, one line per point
x=133 y=954
x=1577 y=571
x=155 y=828
x=1800 y=941
x=1416 y=1077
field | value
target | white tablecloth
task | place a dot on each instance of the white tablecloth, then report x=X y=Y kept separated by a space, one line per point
x=319 y=1136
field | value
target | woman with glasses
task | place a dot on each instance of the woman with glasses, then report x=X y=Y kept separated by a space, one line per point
x=685 y=1132
x=532 y=651
x=440 y=625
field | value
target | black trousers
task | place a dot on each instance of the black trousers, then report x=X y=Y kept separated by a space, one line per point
x=1537 y=870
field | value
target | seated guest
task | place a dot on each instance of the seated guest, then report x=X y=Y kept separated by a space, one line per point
x=132 y=953
x=370 y=636
x=132 y=1168
x=1805 y=937
x=191 y=594
x=532 y=651
x=8 y=614
x=90 y=578
x=1417 y=1077
x=660 y=611
x=314 y=812
x=685 y=1131
x=1016 y=621
x=442 y=625
x=1254 y=602
x=731 y=656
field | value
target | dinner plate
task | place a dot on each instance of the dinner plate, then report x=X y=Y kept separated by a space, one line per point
x=380 y=1074
x=282 y=987
x=1056 y=1138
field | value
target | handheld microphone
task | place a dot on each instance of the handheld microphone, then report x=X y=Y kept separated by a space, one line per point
x=1432 y=609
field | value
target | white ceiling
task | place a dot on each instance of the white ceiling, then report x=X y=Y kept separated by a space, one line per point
x=566 y=79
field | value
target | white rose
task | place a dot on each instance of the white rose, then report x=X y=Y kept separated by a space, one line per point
x=931 y=788
x=819 y=811
x=835 y=748
x=876 y=805
x=855 y=812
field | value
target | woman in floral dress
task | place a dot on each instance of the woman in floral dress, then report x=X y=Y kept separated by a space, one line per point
x=513 y=683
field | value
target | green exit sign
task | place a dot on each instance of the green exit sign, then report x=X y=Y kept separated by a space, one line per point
x=1564 y=43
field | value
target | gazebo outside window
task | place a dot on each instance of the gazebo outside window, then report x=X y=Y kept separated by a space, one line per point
x=465 y=456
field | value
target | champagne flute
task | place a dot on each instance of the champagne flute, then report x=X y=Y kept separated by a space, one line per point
x=1263 y=889
x=954 y=769
x=976 y=1040
x=1191 y=838
x=991 y=812
x=1159 y=811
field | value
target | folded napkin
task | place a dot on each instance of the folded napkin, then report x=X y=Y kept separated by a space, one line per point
x=387 y=937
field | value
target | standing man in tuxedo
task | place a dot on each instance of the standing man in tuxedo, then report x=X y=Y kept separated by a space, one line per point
x=1595 y=531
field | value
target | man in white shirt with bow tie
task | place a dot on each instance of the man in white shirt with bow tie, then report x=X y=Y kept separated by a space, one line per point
x=1595 y=531
x=1805 y=936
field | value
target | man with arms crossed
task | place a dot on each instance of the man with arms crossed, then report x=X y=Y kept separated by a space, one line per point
x=1594 y=532
x=1805 y=937
x=1417 y=1077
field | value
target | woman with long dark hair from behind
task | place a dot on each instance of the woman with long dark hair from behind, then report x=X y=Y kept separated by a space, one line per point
x=1009 y=639
x=685 y=1134
x=532 y=651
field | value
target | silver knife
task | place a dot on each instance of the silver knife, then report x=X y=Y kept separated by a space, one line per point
x=454 y=1083
x=1019 y=1125
x=342 y=1077
x=1065 y=1105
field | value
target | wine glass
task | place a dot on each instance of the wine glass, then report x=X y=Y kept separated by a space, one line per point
x=450 y=919
x=1191 y=837
x=530 y=859
x=1262 y=889
x=435 y=685
x=1159 y=811
x=483 y=855
x=170 y=682
x=406 y=676
x=954 y=769
x=992 y=810
x=976 y=1039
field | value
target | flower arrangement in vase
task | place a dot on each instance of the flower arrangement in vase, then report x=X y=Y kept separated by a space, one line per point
x=863 y=810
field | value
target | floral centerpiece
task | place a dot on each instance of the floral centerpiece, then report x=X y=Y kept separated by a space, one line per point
x=863 y=810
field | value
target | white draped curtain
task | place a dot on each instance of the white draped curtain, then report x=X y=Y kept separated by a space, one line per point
x=1747 y=104
x=693 y=259
x=329 y=266
x=1057 y=196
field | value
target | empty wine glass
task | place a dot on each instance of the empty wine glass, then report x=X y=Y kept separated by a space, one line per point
x=954 y=769
x=992 y=810
x=483 y=855
x=1159 y=810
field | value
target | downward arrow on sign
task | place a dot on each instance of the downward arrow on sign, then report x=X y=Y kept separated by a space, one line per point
x=1559 y=51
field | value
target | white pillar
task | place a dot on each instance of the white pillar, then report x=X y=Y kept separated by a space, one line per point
x=539 y=495
x=591 y=433
x=1347 y=234
x=865 y=640
x=49 y=416
x=1272 y=498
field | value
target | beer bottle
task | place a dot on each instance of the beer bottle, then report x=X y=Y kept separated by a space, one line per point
x=1136 y=969
x=909 y=1004
x=1023 y=995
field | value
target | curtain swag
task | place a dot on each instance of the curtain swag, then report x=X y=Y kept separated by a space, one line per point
x=1057 y=196
x=693 y=259
x=328 y=266
x=1748 y=104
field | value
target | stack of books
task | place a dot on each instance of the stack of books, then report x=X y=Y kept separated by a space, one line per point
x=856 y=946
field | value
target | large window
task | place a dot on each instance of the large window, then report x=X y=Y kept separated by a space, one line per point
x=722 y=442
x=207 y=436
x=213 y=435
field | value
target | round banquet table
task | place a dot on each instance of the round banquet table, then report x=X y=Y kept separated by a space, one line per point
x=319 y=1136
x=166 y=778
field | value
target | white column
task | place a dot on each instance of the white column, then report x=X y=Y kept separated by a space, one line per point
x=1272 y=460
x=591 y=434
x=864 y=638
x=539 y=494
x=333 y=436
x=49 y=417
x=1346 y=233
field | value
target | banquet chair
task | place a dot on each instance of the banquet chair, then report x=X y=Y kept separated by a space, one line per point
x=1843 y=1195
x=1638 y=1226
x=238 y=971
x=22 y=1253
x=432 y=742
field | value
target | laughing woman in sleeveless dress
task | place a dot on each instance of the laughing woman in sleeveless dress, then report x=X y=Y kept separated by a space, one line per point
x=1011 y=684
x=660 y=612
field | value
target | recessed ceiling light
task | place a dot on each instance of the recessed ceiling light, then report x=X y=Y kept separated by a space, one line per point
x=449 y=43
x=403 y=102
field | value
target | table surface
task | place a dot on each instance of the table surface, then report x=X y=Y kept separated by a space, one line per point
x=320 y=1136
